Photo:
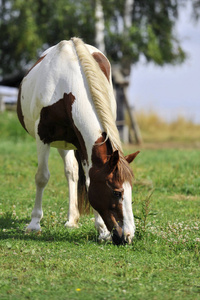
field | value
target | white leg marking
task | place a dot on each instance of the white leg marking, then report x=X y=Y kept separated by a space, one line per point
x=104 y=234
x=41 y=180
x=71 y=173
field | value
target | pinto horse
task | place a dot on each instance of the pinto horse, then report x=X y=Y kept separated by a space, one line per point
x=66 y=101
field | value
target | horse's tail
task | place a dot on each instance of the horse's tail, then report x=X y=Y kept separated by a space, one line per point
x=83 y=201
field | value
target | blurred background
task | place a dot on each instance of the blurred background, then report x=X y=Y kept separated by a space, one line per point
x=173 y=90
x=153 y=46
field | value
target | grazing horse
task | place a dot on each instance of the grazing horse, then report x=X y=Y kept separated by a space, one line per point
x=66 y=101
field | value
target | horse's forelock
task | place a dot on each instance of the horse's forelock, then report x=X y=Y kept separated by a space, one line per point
x=124 y=171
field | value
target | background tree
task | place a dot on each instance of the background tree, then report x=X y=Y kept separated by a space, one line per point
x=28 y=27
x=196 y=9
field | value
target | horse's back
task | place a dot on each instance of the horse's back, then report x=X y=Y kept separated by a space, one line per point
x=40 y=87
x=58 y=72
x=54 y=74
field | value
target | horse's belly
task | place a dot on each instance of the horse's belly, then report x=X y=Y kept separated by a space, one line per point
x=63 y=145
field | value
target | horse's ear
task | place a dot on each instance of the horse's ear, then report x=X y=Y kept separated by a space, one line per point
x=113 y=161
x=129 y=158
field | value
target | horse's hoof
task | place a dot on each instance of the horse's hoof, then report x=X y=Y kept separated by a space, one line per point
x=71 y=225
x=34 y=226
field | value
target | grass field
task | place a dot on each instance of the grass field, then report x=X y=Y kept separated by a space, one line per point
x=154 y=129
x=162 y=263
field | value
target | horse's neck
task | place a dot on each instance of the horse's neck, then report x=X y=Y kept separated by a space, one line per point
x=86 y=121
x=101 y=151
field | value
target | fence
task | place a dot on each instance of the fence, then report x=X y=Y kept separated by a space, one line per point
x=8 y=97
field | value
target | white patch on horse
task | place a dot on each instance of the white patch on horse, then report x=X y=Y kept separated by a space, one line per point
x=71 y=173
x=104 y=234
x=128 y=219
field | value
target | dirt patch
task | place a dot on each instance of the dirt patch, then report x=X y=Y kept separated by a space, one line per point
x=144 y=182
x=181 y=197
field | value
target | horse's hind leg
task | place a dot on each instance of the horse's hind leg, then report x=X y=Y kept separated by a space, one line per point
x=41 y=179
x=71 y=173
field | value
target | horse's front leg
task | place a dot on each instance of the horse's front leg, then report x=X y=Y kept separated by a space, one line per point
x=41 y=180
x=71 y=173
x=104 y=234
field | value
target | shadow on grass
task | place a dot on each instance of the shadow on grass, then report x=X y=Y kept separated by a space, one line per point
x=12 y=228
x=7 y=220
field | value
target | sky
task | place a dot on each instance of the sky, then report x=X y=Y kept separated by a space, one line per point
x=171 y=91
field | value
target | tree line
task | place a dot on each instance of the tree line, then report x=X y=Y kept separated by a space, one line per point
x=130 y=28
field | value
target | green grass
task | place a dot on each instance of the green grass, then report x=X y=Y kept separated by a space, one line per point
x=162 y=263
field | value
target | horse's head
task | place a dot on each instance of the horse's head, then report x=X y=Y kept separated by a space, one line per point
x=110 y=193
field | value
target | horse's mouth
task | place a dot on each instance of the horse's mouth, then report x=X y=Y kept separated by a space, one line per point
x=118 y=236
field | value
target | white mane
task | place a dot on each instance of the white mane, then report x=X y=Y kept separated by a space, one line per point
x=99 y=88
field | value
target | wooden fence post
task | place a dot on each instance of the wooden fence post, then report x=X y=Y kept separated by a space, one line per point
x=2 y=104
x=120 y=85
x=132 y=117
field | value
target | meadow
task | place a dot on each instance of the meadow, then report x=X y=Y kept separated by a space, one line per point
x=163 y=262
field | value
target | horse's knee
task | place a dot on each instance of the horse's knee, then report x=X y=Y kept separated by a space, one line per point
x=42 y=178
x=72 y=173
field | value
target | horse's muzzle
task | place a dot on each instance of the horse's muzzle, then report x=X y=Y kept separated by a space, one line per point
x=117 y=238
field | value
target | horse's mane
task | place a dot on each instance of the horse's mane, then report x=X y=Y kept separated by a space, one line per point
x=100 y=91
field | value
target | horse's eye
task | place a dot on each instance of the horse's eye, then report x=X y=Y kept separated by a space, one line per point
x=117 y=194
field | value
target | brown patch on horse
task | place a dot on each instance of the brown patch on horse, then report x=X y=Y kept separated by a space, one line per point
x=103 y=63
x=56 y=124
x=19 y=109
